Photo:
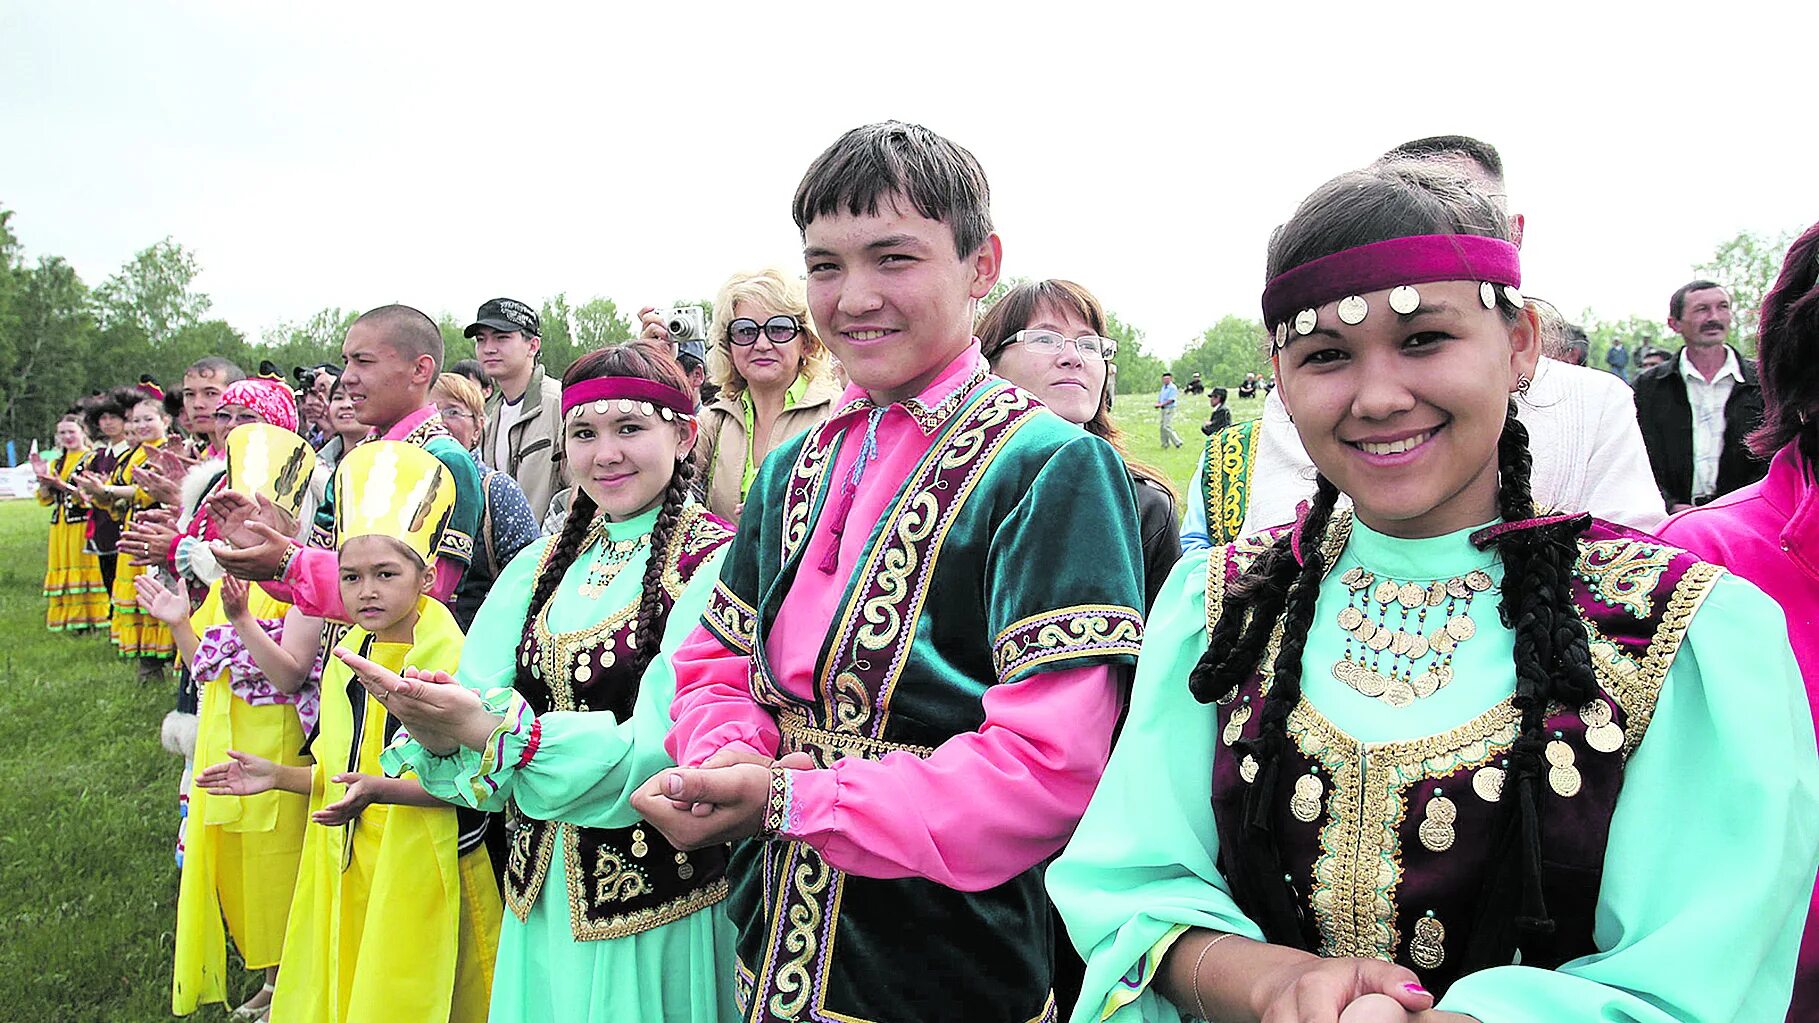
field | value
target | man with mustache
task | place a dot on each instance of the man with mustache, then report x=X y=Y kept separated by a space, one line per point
x=1696 y=409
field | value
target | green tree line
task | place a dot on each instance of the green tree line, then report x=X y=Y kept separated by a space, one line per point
x=60 y=338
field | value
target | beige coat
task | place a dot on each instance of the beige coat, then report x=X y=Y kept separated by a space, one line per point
x=723 y=441
x=535 y=438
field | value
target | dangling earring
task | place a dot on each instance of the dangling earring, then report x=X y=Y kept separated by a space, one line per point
x=1523 y=383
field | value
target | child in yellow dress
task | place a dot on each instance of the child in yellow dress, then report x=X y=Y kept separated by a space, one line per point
x=78 y=599
x=396 y=916
x=256 y=663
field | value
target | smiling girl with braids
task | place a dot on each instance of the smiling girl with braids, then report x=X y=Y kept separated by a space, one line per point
x=608 y=920
x=1381 y=757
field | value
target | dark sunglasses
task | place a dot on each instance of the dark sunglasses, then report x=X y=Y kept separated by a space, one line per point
x=780 y=329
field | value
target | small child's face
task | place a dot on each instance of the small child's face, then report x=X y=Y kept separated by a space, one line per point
x=380 y=581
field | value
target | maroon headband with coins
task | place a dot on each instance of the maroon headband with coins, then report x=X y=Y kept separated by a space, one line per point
x=1290 y=300
x=631 y=394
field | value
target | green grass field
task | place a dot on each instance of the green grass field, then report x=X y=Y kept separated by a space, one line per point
x=89 y=814
x=88 y=820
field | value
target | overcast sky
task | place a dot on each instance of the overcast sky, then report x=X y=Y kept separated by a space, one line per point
x=351 y=154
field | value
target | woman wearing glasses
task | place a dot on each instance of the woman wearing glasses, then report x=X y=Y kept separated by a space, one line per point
x=1049 y=339
x=774 y=379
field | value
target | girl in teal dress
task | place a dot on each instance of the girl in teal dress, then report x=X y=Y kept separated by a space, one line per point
x=1441 y=756
x=559 y=709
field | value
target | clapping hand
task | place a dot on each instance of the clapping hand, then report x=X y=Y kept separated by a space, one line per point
x=242 y=774
x=233 y=598
x=150 y=536
x=160 y=601
x=362 y=792
x=164 y=489
x=442 y=714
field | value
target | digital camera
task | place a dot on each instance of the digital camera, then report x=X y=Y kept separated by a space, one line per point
x=685 y=323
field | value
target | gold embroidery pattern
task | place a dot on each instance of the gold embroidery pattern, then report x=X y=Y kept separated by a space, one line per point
x=1360 y=862
x=527 y=864
x=622 y=924
x=1636 y=685
x=1623 y=573
x=810 y=878
x=1078 y=631
x=1225 y=496
x=616 y=880
x=732 y=621
x=804 y=485
x=695 y=531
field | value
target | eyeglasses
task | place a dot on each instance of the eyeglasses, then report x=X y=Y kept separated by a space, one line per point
x=455 y=412
x=779 y=329
x=1048 y=342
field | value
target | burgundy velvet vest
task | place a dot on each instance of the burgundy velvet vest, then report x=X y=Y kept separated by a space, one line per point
x=1389 y=860
x=620 y=880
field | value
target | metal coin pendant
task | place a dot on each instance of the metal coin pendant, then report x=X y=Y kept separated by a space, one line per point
x=1426 y=684
x=1436 y=594
x=1461 y=628
x=1456 y=589
x=1234 y=725
x=1350 y=618
x=1352 y=577
x=1399 y=643
x=1605 y=738
x=1353 y=309
x=1305 y=322
x=1487 y=293
x=684 y=869
x=1281 y=333
x=1387 y=592
x=1380 y=640
x=1411 y=596
x=1365 y=630
x=1399 y=693
x=1427 y=947
x=1436 y=829
x=1305 y=803
x=1371 y=683
x=1488 y=783
x=1478 y=580
x=1247 y=769
x=638 y=847
x=1562 y=776
x=1404 y=299
x=1513 y=295
x=1417 y=646
x=1595 y=713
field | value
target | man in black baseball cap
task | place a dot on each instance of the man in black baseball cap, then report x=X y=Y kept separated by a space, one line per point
x=520 y=437
x=505 y=315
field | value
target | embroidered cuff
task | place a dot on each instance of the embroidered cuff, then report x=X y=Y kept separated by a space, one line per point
x=777 y=805
x=471 y=777
x=1142 y=972
x=285 y=561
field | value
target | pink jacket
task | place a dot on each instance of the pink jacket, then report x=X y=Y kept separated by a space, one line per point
x=1768 y=533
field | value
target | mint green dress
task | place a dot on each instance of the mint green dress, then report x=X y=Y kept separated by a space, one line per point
x=584 y=771
x=1712 y=846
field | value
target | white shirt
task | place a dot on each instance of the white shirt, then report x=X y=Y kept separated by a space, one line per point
x=502 y=441
x=1583 y=436
x=1708 y=398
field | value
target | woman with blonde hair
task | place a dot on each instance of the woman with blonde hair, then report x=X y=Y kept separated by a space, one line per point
x=774 y=378
x=506 y=522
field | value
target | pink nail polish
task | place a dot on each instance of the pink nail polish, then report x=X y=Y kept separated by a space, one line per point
x=1415 y=989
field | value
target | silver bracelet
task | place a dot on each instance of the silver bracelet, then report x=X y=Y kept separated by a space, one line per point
x=1200 y=1007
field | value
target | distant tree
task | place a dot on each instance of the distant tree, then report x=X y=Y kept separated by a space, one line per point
x=1001 y=289
x=1225 y=353
x=556 y=321
x=599 y=323
x=1138 y=370
x=154 y=294
x=48 y=354
x=455 y=347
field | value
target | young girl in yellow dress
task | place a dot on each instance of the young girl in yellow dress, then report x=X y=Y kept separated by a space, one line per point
x=255 y=659
x=135 y=632
x=396 y=916
x=72 y=576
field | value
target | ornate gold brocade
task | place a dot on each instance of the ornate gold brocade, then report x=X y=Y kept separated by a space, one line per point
x=1623 y=573
x=1064 y=633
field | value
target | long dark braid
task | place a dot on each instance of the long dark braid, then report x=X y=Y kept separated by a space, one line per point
x=1277 y=588
x=1553 y=664
x=653 y=610
x=563 y=552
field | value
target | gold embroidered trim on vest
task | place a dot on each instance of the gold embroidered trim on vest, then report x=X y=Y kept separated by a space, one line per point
x=1063 y=633
x=1636 y=685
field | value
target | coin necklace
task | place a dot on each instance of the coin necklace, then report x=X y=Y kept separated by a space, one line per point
x=1386 y=633
x=614 y=555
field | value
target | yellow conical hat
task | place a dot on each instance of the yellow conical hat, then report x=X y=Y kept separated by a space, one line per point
x=390 y=488
x=270 y=460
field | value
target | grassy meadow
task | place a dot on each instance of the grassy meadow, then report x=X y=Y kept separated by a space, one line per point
x=89 y=816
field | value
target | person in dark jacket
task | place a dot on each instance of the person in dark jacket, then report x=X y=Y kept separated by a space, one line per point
x=1221 y=416
x=1697 y=409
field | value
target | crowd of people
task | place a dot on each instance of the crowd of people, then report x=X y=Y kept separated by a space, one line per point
x=847 y=666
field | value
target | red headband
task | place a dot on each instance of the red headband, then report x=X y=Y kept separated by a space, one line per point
x=1419 y=259
x=626 y=390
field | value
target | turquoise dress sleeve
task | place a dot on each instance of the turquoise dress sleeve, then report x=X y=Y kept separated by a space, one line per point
x=1712 y=850
x=1140 y=868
